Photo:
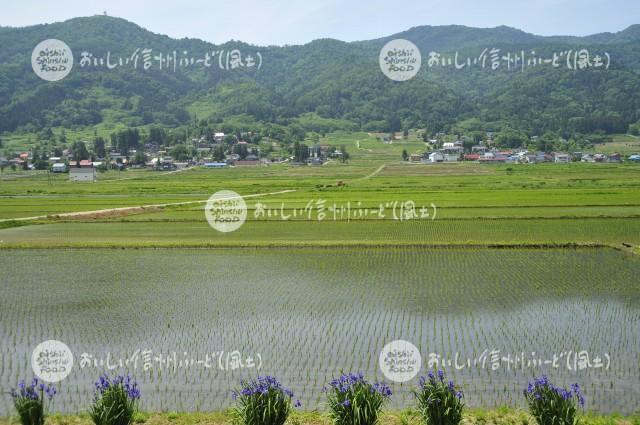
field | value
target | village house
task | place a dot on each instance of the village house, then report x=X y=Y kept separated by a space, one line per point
x=543 y=157
x=561 y=157
x=117 y=156
x=85 y=163
x=415 y=157
x=453 y=147
x=587 y=158
x=527 y=158
x=200 y=143
x=436 y=157
x=215 y=164
x=493 y=158
x=247 y=162
x=151 y=146
x=615 y=157
x=17 y=162
x=452 y=151
x=164 y=164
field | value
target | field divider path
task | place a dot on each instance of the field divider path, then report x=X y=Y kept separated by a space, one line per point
x=373 y=174
x=130 y=209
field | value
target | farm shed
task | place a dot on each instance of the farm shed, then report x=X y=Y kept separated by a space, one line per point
x=82 y=174
x=247 y=162
x=436 y=157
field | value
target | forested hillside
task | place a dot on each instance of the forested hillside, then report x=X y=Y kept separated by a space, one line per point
x=325 y=83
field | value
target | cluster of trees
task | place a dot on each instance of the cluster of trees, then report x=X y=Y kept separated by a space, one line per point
x=125 y=140
x=320 y=87
x=635 y=129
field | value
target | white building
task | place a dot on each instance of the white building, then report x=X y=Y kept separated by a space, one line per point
x=82 y=174
x=59 y=167
x=436 y=157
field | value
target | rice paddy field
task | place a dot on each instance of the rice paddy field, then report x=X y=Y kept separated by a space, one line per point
x=466 y=204
x=535 y=262
x=310 y=313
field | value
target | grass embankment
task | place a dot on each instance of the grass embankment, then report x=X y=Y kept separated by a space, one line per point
x=500 y=416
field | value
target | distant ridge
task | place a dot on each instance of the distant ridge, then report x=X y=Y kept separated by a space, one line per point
x=325 y=83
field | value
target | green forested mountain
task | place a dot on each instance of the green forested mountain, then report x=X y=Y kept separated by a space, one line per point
x=326 y=83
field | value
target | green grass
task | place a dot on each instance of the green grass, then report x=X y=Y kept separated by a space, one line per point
x=502 y=416
x=625 y=144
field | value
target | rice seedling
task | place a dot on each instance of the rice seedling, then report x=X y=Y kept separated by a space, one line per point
x=311 y=313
